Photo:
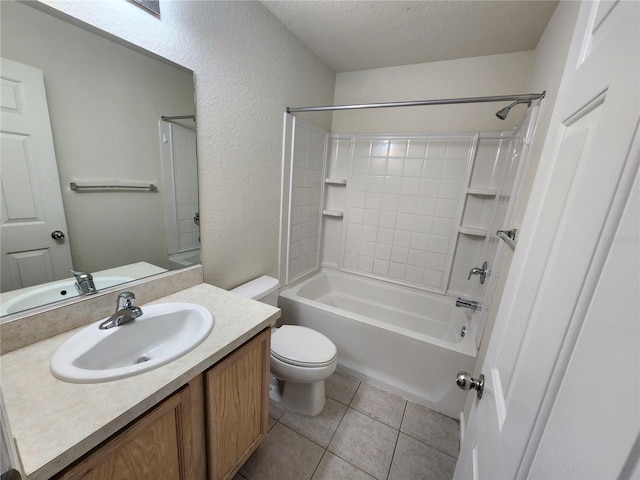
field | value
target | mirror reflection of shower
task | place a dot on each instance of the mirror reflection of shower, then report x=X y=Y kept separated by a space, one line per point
x=179 y=166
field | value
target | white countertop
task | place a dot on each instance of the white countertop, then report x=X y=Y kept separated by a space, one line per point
x=55 y=422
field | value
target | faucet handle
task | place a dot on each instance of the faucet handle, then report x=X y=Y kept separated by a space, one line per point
x=483 y=272
x=80 y=276
x=125 y=300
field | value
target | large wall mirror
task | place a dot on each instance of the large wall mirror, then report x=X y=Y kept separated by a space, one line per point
x=93 y=179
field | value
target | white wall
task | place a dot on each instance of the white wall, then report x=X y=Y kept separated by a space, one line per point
x=105 y=129
x=248 y=68
x=490 y=75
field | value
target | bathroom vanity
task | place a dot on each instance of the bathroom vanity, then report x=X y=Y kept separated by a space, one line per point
x=198 y=417
x=220 y=415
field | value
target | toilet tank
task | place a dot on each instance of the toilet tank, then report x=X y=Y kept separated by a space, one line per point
x=264 y=289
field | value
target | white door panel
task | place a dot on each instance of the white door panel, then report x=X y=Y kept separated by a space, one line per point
x=610 y=405
x=581 y=187
x=30 y=190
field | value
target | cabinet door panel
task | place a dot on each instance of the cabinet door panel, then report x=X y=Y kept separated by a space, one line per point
x=237 y=406
x=155 y=447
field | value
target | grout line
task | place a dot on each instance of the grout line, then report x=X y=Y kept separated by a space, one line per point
x=395 y=447
x=429 y=445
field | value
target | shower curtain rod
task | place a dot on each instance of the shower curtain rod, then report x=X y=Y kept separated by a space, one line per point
x=179 y=117
x=446 y=101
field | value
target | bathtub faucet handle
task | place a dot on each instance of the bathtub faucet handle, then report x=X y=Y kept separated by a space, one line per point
x=483 y=272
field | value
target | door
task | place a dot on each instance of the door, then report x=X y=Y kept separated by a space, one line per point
x=180 y=171
x=583 y=183
x=31 y=200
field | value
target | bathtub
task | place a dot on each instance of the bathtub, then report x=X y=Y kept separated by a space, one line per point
x=405 y=341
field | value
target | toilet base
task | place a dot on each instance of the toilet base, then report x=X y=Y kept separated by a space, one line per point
x=305 y=398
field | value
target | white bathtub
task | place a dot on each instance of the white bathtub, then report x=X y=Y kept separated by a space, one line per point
x=405 y=341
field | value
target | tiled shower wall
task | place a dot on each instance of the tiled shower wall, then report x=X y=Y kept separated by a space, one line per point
x=186 y=184
x=309 y=152
x=403 y=203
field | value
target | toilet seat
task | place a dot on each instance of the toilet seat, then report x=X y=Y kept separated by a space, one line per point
x=302 y=347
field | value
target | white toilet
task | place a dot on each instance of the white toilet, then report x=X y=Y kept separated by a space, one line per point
x=301 y=358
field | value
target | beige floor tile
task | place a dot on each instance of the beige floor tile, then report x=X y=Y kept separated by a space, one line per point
x=275 y=411
x=284 y=455
x=379 y=404
x=414 y=460
x=320 y=428
x=432 y=428
x=334 y=468
x=341 y=387
x=365 y=443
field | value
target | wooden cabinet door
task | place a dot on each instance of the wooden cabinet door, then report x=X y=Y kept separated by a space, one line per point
x=237 y=402
x=157 y=446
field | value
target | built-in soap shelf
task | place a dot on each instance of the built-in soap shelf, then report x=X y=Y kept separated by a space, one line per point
x=333 y=213
x=474 y=231
x=484 y=192
x=335 y=181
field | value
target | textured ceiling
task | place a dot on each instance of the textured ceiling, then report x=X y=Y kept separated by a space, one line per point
x=359 y=35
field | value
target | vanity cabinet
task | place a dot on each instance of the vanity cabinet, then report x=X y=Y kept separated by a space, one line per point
x=206 y=430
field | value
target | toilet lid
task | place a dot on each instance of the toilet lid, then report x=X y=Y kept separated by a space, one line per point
x=302 y=346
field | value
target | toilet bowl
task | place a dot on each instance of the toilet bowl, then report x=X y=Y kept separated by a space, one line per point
x=301 y=358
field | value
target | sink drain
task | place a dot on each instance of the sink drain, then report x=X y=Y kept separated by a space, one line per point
x=143 y=359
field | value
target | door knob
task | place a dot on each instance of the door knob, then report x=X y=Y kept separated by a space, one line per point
x=466 y=382
x=57 y=235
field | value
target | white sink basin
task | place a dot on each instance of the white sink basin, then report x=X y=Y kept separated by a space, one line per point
x=61 y=290
x=161 y=334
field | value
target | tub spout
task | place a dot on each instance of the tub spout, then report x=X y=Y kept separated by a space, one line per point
x=466 y=303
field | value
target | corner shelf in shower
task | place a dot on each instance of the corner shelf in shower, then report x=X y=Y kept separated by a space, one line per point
x=335 y=181
x=333 y=213
x=482 y=192
x=474 y=231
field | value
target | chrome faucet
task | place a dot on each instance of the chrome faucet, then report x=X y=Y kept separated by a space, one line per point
x=483 y=272
x=125 y=312
x=466 y=303
x=84 y=283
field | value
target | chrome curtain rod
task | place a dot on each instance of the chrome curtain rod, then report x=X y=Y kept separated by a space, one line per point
x=178 y=117
x=445 y=101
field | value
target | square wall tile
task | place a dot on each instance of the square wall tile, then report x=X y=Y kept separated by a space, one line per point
x=413 y=167
x=417 y=148
x=398 y=148
x=395 y=166
x=381 y=267
x=437 y=148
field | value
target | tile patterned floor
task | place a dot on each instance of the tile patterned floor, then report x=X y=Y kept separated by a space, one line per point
x=363 y=433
